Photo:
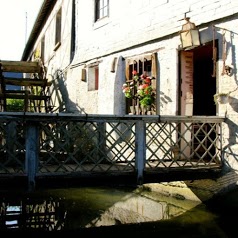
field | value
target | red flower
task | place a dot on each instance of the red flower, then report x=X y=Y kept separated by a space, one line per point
x=147 y=80
x=141 y=87
x=144 y=75
x=134 y=72
x=147 y=91
x=126 y=89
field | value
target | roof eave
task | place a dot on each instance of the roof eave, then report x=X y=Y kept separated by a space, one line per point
x=44 y=12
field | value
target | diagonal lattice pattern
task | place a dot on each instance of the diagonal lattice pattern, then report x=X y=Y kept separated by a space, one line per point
x=12 y=146
x=109 y=145
x=182 y=144
x=86 y=146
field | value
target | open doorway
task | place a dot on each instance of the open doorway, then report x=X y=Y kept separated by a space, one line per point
x=198 y=85
x=204 y=86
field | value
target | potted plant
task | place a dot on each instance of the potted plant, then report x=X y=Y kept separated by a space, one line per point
x=221 y=98
x=140 y=88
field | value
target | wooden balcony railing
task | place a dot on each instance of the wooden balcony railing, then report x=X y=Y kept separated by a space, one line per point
x=34 y=144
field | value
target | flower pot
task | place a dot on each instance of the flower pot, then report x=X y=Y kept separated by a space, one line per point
x=145 y=109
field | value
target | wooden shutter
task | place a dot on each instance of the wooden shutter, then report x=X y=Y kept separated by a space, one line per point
x=154 y=74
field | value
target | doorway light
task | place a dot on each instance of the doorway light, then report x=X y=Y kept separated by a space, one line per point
x=189 y=35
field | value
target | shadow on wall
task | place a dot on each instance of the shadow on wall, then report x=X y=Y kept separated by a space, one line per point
x=164 y=99
x=232 y=48
x=60 y=96
x=228 y=151
x=119 y=79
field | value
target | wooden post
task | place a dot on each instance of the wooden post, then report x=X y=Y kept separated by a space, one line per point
x=32 y=148
x=140 y=150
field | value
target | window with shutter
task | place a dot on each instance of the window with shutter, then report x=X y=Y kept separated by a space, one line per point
x=140 y=86
x=93 y=79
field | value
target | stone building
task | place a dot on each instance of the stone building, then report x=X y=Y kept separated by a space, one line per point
x=90 y=48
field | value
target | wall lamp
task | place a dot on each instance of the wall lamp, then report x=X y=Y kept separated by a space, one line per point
x=189 y=35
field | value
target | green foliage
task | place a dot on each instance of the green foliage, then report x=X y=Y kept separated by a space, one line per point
x=140 y=88
x=15 y=105
x=146 y=101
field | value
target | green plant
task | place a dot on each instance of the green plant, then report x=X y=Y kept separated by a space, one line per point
x=139 y=88
x=16 y=105
x=146 y=101
x=127 y=90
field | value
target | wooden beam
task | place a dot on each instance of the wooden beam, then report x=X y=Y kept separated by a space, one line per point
x=23 y=96
x=25 y=82
x=20 y=66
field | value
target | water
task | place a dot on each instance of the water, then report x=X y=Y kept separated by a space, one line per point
x=116 y=211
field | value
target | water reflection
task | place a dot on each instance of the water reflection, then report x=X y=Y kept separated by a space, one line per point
x=100 y=211
x=32 y=214
x=73 y=208
x=11 y=212
x=141 y=206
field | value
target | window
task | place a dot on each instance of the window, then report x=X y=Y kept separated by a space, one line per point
x=58 y=29
x=101 y=9
x=141 y=74
x=93 y=79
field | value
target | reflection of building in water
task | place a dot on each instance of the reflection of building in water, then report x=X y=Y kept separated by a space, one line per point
x=132 y=210
x=46 y=215
x=137 y=209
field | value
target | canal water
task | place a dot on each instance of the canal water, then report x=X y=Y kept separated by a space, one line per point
x=106 y=211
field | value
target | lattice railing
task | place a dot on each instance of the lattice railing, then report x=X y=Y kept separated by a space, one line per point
x=63 y=144
x=12 y=146
x=86 y=146
x=183 y=144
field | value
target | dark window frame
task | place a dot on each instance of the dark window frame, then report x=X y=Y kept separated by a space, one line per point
x=58 y=25
x=101 y=9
